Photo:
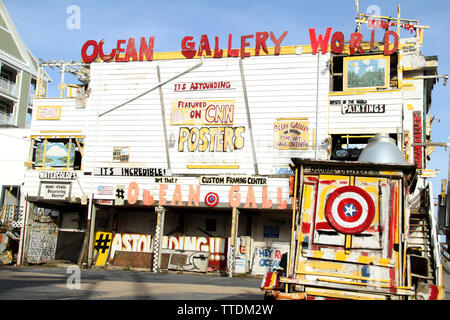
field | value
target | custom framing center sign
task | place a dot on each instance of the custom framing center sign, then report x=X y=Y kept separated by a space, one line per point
x=291 y=134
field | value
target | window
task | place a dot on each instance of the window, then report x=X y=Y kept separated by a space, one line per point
x=348 y=147
x=363 y=72
x=6 y=113
x=10 y=195
x=210 y=225
x=62 y=153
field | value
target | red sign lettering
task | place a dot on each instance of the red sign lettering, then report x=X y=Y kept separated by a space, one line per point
x=120 y=53
x=356 y=39
x=417 y=134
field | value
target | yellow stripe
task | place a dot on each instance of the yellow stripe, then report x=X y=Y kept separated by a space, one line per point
x=342 y=294
x=212 y=166
x=334 y=275
x=59 y=131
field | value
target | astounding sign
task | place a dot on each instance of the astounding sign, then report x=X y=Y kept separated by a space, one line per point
x=350 y=210
x=202 y=86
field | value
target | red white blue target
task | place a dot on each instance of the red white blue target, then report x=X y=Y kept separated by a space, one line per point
x=350 y=210
x=212 y=199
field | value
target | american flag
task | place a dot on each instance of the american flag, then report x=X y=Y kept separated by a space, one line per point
x=105 y=190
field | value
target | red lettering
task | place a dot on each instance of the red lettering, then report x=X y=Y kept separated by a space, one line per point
x=104 y=57
x=120 y=50
x=86 y=57
x=277 y=42
x=372 y=40
x=146 y=52
x=394 y=48
x=232 y=52
x=133 y=193
x=355 y=42
x=261 y=38
x=338 y=37
x=245 y=44
x=218 y=53
x=204 y=46
x=131 y=50
x=320 y=41
x=188 y=47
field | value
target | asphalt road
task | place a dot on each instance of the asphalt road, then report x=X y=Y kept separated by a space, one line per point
x=60 y=284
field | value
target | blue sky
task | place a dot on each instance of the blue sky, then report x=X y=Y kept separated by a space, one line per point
x=42 y=26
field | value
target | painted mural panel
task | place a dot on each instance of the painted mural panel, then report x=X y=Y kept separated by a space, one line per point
x=42 y=243
x=267 y=258
x=106 y=244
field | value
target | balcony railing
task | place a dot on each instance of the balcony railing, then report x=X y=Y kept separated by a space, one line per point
x=6 y=118
x=8 y=87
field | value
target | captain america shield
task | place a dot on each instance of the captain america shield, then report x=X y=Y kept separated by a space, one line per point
x=212 y=199
x=349 y=210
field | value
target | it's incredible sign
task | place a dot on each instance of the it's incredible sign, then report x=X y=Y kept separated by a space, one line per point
x=126 y=50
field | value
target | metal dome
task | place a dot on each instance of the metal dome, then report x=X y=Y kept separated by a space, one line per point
x=381 y=149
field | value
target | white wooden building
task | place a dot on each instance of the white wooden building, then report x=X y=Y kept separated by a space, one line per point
x=211 y=147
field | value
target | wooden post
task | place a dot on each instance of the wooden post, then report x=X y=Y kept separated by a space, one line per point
x=91 y=228
x=157 y=243
x=233 y=242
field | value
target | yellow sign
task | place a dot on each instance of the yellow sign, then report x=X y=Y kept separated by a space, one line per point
x=48 y=113
x=202 y=112
x=102 y=244
x=291 y=134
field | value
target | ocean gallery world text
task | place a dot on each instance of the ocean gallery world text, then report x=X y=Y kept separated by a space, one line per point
x=125 y=51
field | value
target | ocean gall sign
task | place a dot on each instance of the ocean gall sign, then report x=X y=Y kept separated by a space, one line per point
x=143 y=49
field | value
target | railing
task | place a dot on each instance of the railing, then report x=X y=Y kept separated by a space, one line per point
x=8 y=87
x=6 y=118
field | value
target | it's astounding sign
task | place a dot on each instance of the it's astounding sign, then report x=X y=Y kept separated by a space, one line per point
x=291 y=134
x=202 y=86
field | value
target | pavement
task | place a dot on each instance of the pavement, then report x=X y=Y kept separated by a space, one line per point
x=18 y=283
